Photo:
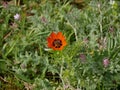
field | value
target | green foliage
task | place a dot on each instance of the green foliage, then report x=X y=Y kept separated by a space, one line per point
x=92 y=34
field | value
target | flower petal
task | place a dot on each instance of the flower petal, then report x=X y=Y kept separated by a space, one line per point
x=53 y=35
x=49 y=42
x=59 y=35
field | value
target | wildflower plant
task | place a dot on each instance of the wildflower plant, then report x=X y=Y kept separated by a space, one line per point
x=60 y=45
x=17 y=16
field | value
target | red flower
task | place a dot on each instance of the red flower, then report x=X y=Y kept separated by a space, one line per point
x=56 y=41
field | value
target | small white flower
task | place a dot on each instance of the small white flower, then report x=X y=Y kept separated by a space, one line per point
x=112 y=2
x=17 y=16
x=99 y=5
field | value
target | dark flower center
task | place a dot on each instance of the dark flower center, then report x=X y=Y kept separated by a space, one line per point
x=57 y=43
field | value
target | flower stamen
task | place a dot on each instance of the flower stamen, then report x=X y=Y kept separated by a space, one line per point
x=57 y=43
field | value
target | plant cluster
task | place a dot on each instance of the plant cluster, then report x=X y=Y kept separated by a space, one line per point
x=59 y=45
